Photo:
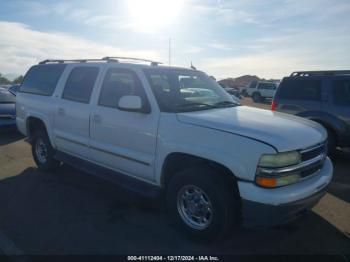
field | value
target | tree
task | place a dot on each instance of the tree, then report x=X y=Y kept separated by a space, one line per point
x=18 y=80
x=4 y=80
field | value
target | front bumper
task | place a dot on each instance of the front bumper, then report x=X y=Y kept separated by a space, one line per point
x=262 y=207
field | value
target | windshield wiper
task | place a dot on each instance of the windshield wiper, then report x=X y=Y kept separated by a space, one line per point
x=204 y=105
x=225 y=104
x=195 y=104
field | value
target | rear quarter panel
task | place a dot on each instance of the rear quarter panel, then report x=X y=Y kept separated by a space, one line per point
x=30 y=105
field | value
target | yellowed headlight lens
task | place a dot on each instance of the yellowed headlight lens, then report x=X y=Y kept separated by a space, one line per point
x=280 y=159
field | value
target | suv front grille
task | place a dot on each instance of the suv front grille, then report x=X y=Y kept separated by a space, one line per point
x=311 y=170
x=311 y=153
x=7 y=117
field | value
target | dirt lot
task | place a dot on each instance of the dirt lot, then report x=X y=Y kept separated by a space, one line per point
x=71 y=212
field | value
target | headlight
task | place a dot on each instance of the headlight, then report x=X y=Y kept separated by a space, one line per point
x=280 y=159
x=273 y=163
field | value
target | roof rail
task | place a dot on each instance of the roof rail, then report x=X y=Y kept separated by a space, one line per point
x=61 y=61
x=104 y=59
x=315 y=73
x=116 y=58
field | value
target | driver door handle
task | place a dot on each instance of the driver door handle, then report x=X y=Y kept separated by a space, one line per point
x=97 y=118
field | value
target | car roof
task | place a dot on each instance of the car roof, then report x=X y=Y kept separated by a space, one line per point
x=320 y=73
x=132 y=62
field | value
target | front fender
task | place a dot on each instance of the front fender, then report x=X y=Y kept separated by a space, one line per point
x=238 y=154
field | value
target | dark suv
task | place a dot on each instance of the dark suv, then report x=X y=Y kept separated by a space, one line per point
x=322 y=96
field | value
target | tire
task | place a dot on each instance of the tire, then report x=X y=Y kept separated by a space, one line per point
x=215 y=193
x=331 y=143
x=256 y=97
x=42 y=151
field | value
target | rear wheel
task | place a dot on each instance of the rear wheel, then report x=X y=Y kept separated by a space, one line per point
x=256 y=97
x=43 y=152
x=203 y=204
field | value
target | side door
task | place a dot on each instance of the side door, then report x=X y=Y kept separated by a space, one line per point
x=252 y=87
x=124 y=141
x=72 y=112
x=337 y=106
x=262 y=88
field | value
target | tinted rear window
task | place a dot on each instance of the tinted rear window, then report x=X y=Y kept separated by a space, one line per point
x=42 y=79
x=300 y=89
x=341 y=92
x=80 y=84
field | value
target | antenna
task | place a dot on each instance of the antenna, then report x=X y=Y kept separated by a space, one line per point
x=193 y=66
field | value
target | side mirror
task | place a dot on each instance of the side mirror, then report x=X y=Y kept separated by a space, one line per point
x=131 y=104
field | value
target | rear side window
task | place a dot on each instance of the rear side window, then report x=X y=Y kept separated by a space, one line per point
x=119 y=82
x=253 y=84
x=341 y=92
x=42 y=79
x=300 y=89
x=80 y=84
x=267 y=86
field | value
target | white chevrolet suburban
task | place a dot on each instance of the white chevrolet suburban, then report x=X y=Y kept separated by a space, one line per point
x=141 y=125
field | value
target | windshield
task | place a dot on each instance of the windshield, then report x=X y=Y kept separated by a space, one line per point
x=6 y=96
x=186 y=90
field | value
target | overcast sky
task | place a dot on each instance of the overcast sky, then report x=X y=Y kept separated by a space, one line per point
x=224 y=38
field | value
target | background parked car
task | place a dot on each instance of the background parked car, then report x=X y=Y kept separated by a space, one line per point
x=233 y=92
x=7 y=109
x=259 y=90
x=322 y=96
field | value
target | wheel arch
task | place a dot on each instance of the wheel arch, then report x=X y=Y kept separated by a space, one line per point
x=177 y=161
x=33 y=123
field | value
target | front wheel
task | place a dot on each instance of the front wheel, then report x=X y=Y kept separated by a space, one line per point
x=43 y=152
x=203 y=204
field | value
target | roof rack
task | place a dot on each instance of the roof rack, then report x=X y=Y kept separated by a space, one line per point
x=61 y=61
x=116 y=58
x=317 y=73
x=104 y=59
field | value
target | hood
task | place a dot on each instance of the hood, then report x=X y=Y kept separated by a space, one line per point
x=284 y=132
x=7 y=109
